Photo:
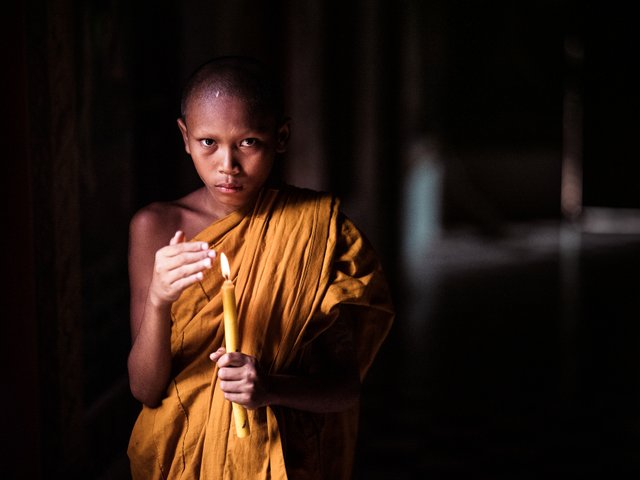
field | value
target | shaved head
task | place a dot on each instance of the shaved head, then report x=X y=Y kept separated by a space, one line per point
x=239 y=77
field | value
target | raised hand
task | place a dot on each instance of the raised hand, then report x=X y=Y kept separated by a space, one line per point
x=177 y=266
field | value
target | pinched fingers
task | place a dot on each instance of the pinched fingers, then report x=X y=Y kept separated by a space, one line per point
x=184 y=264
x=177 y=249
x=179 y=265
x=189 y=268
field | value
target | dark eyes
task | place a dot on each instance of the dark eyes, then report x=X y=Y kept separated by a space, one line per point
x=249 y=142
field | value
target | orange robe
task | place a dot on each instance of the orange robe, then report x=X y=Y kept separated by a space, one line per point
x=297 y=262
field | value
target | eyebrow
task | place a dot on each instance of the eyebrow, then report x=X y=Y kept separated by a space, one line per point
x=204 y=132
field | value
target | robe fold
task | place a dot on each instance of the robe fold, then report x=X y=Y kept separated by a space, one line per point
x=298 y=265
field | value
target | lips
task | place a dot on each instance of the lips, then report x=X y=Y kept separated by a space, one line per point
x=229 y=187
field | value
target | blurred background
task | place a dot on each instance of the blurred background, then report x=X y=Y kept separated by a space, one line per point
x=487 y=149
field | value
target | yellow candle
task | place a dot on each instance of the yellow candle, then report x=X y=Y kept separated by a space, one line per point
x=231 y=337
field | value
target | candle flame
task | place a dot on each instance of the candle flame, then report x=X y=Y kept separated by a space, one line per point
x=224 y=266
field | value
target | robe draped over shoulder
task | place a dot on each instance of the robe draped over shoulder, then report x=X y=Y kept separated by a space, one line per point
x=297 y=264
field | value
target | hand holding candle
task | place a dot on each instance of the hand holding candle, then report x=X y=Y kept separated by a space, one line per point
x=231 y=337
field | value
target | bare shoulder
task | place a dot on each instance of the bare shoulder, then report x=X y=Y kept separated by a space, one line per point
x=156 y=222
x=153 y=225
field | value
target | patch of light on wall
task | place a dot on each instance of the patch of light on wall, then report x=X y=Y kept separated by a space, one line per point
x=422 y=199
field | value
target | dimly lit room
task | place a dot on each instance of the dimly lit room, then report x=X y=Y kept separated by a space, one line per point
x=485 y=150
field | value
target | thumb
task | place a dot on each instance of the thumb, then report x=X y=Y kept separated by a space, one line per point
x=215 y=356
x=178 y=237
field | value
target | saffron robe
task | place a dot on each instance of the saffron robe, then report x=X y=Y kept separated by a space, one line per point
x=297 y=263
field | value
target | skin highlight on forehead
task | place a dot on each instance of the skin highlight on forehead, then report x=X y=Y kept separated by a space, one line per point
x=208 y=109
x=256 y=119
x=238 y=77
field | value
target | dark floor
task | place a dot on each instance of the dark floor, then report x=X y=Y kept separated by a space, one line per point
x=513 y=357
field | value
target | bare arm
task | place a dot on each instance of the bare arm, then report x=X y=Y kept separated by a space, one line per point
x=158 y=273
x=333 y=383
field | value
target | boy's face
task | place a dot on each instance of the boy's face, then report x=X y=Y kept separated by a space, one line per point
x=233 y=151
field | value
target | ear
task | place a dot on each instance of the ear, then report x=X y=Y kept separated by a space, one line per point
x=185 y=135
x=284 y=132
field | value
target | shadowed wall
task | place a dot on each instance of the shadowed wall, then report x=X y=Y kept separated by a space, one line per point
x=451 y=105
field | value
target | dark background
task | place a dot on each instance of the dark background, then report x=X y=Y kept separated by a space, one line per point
x=450 y=129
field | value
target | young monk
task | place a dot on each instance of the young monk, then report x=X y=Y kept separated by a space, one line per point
x=313 y=305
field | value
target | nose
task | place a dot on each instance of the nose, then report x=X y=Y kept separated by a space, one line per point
x=227 y=163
